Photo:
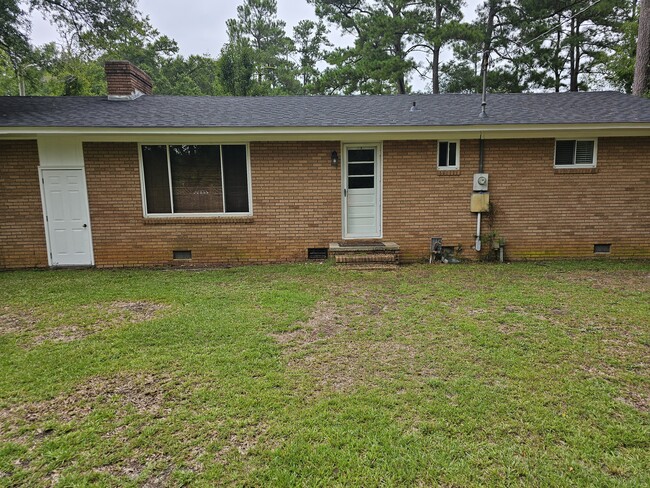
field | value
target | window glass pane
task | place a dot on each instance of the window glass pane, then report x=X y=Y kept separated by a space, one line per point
x=452 y=154
x=196 y=178
x=564 y=152
x=360 y=155
x=156 y=179
x=235 y=178
x=443 y=147
x=361 y=169
x=585 y=152
x=355 y=182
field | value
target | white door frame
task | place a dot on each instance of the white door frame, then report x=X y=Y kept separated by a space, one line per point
x=379 y=155
x=41 y=182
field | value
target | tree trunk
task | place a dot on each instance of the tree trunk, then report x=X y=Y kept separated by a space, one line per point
x=435 y=71
x=574 y=56
x=557 y=71
x=642 y=64
x=435 y=63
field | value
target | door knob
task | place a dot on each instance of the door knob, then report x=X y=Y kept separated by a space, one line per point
x=85 y=225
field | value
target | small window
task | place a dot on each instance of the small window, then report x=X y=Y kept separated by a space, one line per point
x=448 y=154
x=575 y=153
x=195 y=179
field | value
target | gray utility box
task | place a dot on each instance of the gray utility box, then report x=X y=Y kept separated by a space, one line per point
x=480 y=182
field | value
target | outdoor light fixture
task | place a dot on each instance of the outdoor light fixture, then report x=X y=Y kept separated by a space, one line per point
x=335 y=158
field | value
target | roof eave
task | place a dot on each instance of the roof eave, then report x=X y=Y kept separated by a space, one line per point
x=499 y=131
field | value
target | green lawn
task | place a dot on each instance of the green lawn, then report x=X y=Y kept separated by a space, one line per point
x=518 y=374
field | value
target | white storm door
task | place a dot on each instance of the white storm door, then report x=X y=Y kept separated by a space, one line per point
x=362 y=192
x=66 y=217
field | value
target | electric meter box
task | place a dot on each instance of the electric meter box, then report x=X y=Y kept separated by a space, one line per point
x=480 y=182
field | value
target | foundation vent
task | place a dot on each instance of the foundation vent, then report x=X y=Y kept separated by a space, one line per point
x=182 y=255
x=602 y=248
x=317 y=253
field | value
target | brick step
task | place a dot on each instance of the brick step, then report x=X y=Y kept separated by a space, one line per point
x=366 y=258
x=367 y=266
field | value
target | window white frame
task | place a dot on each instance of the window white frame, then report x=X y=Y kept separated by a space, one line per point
x=575 y=149
x=143 y=189
x=448 y=168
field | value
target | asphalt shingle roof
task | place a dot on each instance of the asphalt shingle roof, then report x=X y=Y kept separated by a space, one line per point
x=323 y=111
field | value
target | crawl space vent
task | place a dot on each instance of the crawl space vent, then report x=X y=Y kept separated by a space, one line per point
x=318 y=253
x=182 y=254
x=602 y=248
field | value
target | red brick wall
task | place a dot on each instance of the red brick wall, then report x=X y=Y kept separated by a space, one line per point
x=22 y=231
x=545 y=213
x=296 y=205
x=124 y=78
x=541 y=212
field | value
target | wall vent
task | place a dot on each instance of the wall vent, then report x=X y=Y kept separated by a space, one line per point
x=318 y=253
x=602 y=248
x=182 y=254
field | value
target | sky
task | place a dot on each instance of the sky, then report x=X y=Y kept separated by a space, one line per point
x=199 y=26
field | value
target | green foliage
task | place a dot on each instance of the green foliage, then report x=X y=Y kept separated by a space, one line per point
x=533 y=45
x=378 y=61
x=309 y=39
x=258 y=24
x=236 y=68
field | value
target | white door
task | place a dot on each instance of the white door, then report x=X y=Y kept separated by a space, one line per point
x=66 y=217
x=362 y=192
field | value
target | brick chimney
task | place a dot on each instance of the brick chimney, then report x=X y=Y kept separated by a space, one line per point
x=126 y=81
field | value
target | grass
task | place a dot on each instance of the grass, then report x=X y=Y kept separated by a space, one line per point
x=520 y=374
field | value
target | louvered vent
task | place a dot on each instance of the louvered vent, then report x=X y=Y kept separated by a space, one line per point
x=317 y=253
x=602 y=248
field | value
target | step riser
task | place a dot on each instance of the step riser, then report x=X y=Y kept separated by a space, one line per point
x=366 y=258
x=365 y=255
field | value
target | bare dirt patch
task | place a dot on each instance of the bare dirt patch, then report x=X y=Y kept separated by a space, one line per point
x=16 y=322
x=327 y=348
x=143 y=393
x=88 y=320
x=326 y=321
x=349 y=364
x=241 y=443
x=624 y=280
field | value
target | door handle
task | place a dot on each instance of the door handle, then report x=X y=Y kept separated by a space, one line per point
x=85 y=225
x=345 y=192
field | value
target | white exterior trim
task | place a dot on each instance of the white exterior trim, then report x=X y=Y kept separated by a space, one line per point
x=575 y=149
x=379 y=155
x=346 y=134
x=172 y=215
x=448 y=168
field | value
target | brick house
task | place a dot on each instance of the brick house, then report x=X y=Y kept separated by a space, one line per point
x=137 y=180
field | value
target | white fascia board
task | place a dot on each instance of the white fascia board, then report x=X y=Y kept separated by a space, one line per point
x=335 y=133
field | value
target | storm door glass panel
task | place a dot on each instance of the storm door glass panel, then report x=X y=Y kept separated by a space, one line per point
x=564 y=151
x=235 y=178
x=156 y=179
x=196 y=178
x=361 y=174
x=361 y=155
